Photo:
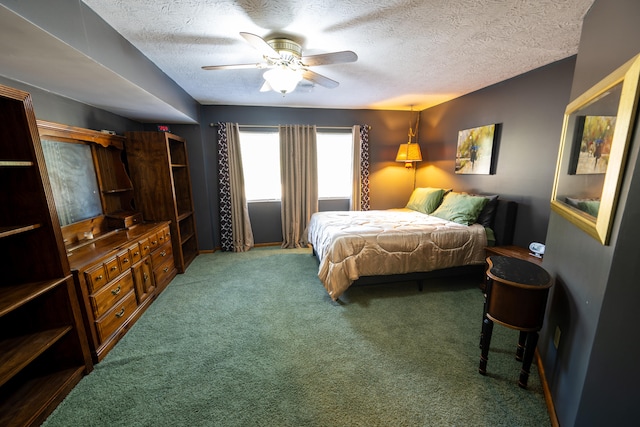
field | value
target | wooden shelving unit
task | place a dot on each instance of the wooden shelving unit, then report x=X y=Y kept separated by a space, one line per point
x=159 y=168
x=43 y=347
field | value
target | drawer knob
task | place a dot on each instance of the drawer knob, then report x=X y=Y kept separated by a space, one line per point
x=165 y=269
x=146 y=247
x=116 y=291
x=120 y=313
x=163 y=253
x=155 y=242
x=126 y=260
x=99 y=277
x=114 y=268
x=136 y=253
x=145 y=276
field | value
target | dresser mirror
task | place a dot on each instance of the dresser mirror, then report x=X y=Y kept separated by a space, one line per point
x=73 y=180
x=88 y=180
x=593 y=148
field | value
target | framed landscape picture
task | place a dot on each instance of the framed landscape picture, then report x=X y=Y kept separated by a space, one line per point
x=474 y=154
x=592 y=146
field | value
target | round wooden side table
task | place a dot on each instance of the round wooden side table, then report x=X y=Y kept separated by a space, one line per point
x=516 y=297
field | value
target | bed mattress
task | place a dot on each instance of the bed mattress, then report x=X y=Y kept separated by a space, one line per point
x=353 y=244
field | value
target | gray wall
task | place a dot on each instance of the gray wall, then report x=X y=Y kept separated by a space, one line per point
x=57 y=109
x=529 y=109
x=593 y=375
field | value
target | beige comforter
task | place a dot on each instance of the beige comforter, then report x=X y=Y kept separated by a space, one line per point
x=352 y=244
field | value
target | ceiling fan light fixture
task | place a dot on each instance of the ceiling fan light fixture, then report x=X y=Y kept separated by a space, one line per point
x=287 y=66
x=283 y=79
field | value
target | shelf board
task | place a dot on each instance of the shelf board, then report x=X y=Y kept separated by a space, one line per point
x=188 y=258
x=18 y=352
x=187 y=237
x=184 y=215
x=15 y=163
x=10 y=231
x=117 y=190
x=14 y=296
x=37 y=398
x=178 y=165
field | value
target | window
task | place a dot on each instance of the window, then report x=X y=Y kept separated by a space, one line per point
x=335 y=153
x=261 y=164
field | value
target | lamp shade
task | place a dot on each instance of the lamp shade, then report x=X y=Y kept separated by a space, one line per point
x=409 y=153
x=283 y=79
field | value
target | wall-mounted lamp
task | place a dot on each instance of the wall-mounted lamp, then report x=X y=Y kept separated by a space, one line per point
x=409 y=153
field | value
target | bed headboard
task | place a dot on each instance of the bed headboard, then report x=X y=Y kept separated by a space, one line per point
x=505 y=222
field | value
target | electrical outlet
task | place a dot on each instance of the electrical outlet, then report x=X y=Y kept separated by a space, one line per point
x=556 y=337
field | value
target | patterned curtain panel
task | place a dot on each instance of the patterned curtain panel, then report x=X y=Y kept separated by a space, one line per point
x=236 y=233
x=224 y=184
x=364 y=167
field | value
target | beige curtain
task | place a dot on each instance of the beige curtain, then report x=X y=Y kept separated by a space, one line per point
x=241 y=226
x=299 y=177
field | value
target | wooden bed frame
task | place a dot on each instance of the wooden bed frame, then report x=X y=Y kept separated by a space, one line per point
x=503 y=227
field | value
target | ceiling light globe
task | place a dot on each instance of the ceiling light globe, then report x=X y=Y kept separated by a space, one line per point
x=283 y=79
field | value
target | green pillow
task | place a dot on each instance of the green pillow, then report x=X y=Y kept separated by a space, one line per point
x=460 y=208
x=589 y=206
x=425 y=200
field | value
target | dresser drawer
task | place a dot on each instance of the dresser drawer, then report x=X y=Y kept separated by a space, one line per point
x=116 y=317
x=96 y=277
x=145 y=246
x=162 y=272
x=167 y=233
x=161 y=254
x=136 y=254
x=124 y=260
x=153 y=242
x=113 y=268
x=162 y=237
x=109 y=295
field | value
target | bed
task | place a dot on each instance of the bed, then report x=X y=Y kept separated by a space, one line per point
x=438 y=232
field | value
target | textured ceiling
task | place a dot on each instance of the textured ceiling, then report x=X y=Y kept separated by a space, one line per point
x=412 y=53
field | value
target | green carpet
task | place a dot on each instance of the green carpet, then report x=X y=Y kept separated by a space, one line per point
x=253 y=339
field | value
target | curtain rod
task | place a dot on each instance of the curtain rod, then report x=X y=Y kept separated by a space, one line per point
x=276 y=126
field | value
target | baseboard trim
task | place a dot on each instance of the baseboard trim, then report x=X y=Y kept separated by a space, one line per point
x=262 y=245
x=257 y=245
x=547 y=392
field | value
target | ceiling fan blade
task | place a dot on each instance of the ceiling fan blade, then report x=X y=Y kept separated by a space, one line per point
x=234 y=66
x=266 y=87
x=330 y=58
x=261 y=45
x=319 y=79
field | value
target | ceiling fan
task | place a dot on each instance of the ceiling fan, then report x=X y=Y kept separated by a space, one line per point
x=286 y=65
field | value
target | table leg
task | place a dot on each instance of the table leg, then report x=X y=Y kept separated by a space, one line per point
x=522 y=340
x=487 y=330
x=532 y=342
x=487 y=289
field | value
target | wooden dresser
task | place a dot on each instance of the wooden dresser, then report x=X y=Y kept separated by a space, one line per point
x=117 y=276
